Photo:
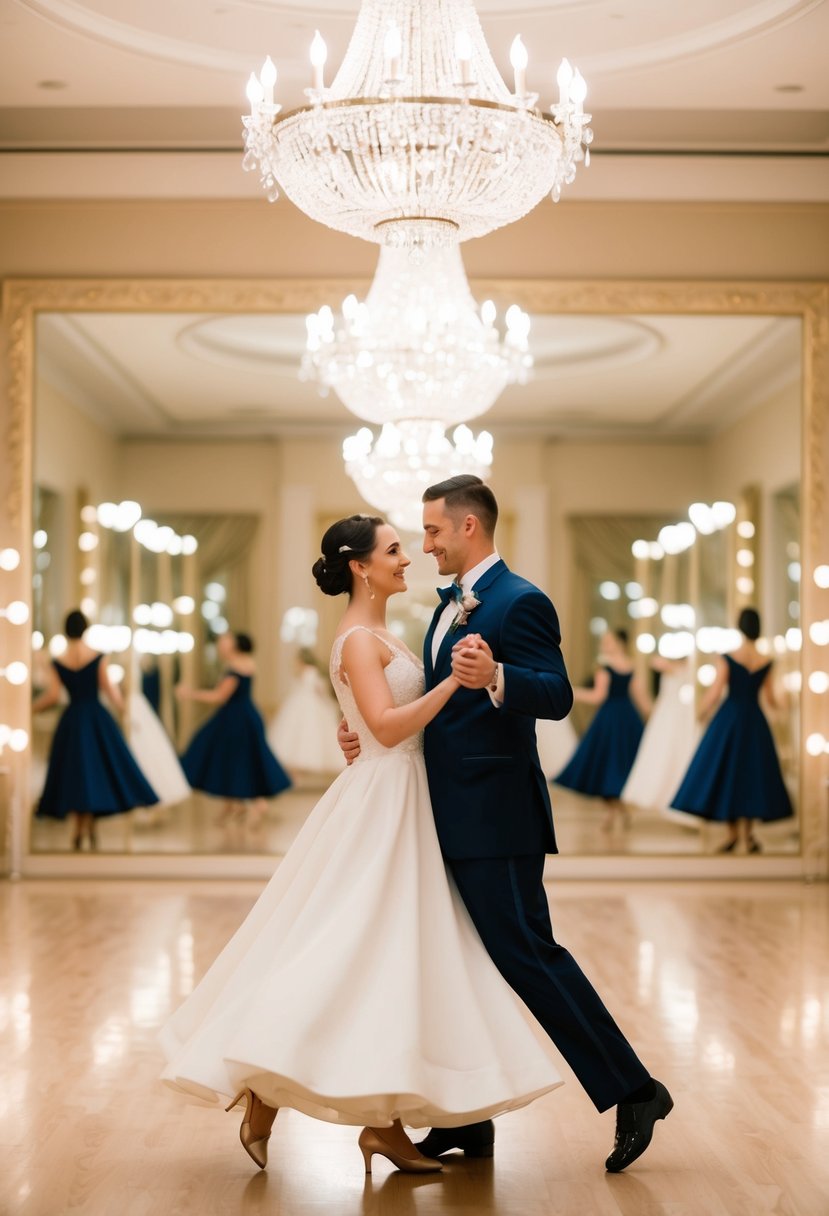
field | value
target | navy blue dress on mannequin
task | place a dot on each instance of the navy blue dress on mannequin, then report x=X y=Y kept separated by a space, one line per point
x=229 y=756
x=91 y=768
x=735 y=772
x=604 y=757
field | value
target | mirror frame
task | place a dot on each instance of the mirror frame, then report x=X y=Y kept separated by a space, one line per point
x=25 y=298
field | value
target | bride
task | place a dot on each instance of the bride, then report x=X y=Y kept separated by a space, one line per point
x=357 y=990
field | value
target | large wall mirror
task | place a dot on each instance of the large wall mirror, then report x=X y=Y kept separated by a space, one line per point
x=179 y=476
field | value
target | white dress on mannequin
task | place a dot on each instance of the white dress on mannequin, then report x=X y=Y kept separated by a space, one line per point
x=357 y=990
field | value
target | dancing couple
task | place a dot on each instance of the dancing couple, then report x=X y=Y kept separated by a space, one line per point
x=372 y=983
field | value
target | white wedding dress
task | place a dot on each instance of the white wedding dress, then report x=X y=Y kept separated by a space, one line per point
x=357 y=990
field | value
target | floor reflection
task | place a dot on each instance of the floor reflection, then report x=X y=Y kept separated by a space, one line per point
x=197 y=826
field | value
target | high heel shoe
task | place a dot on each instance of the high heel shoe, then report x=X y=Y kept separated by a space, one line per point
x=372 y=1142
x=728 y=847
x=256 y=1147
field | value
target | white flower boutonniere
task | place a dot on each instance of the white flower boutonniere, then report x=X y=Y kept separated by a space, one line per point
x=467 y=603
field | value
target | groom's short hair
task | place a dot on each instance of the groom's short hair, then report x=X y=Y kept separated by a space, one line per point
x=466 y=494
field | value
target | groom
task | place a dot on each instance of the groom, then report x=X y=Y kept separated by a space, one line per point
x=499 y=635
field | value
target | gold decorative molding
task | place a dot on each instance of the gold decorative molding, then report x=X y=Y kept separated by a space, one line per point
x=24 y=299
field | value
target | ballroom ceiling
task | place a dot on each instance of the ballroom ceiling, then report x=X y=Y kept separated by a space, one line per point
x=713 y=75
x=651 y=377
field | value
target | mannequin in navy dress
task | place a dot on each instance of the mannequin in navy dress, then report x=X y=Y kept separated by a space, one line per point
x=92 y=771
x=229 y=755
x=604 y=757
x=734 y=776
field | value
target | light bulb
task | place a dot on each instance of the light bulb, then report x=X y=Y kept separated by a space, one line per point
x=463 y=54
x=268 y=79
x=9 y=559
x=518 y=58
x=255 y=92
x=319 y=54
x=578 y=89
x=488 y=312
x=392 y=50
x=17 y=612
x=564 y=78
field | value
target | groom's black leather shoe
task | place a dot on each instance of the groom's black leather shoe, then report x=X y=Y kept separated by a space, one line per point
x=634 y=1128
x=474 y=1140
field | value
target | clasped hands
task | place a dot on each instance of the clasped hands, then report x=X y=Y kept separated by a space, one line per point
x=472 y=663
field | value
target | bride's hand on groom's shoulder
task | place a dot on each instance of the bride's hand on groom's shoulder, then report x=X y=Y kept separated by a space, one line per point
x=472 y=662
x=349 y=742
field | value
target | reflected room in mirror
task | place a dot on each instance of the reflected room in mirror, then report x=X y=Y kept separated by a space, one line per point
x=649 y=475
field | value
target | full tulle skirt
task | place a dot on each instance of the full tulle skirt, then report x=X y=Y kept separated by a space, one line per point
x=357 y=990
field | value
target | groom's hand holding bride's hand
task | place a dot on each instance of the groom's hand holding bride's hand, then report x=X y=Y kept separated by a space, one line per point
x=349 y=742
x=472 y=663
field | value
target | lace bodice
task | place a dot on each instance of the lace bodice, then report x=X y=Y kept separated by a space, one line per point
x=405 y=679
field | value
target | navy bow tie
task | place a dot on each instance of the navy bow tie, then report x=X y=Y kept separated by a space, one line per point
x=453 y=592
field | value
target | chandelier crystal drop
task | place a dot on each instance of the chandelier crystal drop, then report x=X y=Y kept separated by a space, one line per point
x=418 y=346
x=392 y=471
x=417 y=142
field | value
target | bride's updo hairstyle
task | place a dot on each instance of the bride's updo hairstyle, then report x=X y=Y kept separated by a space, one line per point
x=348 y=540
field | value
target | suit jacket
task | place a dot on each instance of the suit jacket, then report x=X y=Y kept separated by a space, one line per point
x=489 y=794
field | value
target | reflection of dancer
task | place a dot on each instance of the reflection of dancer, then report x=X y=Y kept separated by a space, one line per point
x=305 y=729
x=154 y=751
x=332 y=998
x=229 y=756
x=735 y=775
x=91 y=771
x=605 y=755
x=669 y=739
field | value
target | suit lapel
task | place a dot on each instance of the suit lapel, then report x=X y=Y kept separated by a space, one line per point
x=428 y=665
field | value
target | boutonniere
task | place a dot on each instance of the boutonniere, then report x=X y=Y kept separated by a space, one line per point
x=467 y=603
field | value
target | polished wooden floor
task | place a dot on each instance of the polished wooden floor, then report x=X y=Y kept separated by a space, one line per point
x=724 y=989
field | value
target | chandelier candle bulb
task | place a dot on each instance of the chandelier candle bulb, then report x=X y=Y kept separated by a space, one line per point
x=392 y=49
x=463 y=54
x=319 y=54
x=255 y=93
x=578 y=92
x=268 y=79
x=519 y=58
x=564 y=78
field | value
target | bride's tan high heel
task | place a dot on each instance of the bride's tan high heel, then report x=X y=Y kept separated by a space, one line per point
x=256 y=1147
x=372 y=1142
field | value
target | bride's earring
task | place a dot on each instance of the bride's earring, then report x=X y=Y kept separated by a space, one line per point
x=369 y=587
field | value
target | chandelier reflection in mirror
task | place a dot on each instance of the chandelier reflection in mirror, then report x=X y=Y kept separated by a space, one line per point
x=392 y=471
x=418 y=346
x=418 y=141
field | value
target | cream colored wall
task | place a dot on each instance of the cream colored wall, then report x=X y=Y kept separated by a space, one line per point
x=763 y=449
x=571 y=240
x=73 y=455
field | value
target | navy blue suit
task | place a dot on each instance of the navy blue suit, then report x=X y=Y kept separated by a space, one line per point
x=494 y=822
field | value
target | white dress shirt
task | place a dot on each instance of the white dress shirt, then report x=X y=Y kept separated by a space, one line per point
x=450 y=611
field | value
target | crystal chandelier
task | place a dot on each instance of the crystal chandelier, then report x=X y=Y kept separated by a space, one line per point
x=418 y=346
x=418 y=141
x=392 y=471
